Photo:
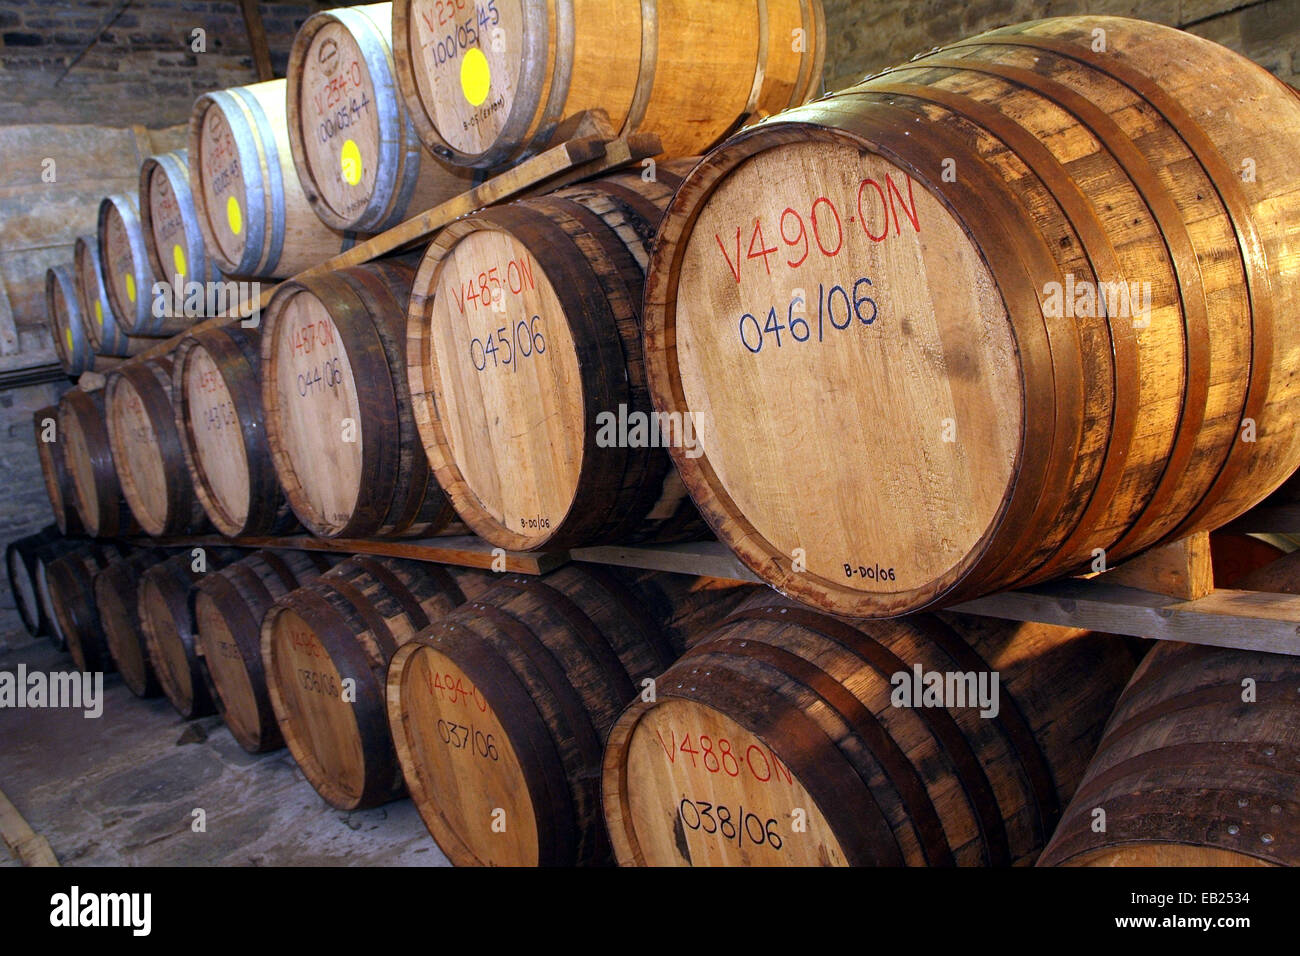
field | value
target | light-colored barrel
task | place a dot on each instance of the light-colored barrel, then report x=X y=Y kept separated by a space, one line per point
x=256 y=221
x=874 y=451
x=359 y=158
x=106 y=336
x=489 y=82
x=63 y=316
x=70 y=584
x=88 y=455
x=128 y=274
x=117 y=594
x=172 y=236
x=524 y=357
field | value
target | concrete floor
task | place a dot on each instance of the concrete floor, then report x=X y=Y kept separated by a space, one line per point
x=120 y=790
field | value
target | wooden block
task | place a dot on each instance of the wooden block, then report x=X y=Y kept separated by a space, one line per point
x=1181 y=569
x=23 y=842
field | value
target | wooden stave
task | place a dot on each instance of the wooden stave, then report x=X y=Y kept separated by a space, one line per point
x=360 y=612
x=553 y=45
x=599 y=285
x=116 y=590
x=241 y=593
x=753 y=659
x=138 y=318
x=110 y=516
x=175 y=166
x=20 y=566
x=557 y=728
x=72 y=596
x=256 y=115
x=152 y=382
x=171 y=583
x=236 y=351
x=67 y=327
x=55 y=475
x=1185 y=761
x=719 y=511
x=409 y=179
x=106 y=337
x=398 y=496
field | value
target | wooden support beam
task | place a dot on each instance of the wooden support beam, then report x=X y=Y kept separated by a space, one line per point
x=257 y=40
x=1181 y=569
x=26 y=845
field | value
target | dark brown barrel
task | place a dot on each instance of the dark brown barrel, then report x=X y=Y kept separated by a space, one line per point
x=54 y=471
x=147 y=449
x=45 y=556
x=884 y=743
x=228 y=610
x=346 y=626
x=500 y=711
x=338 y=408
x=525 y=361
x=88 y=453
x=1234 y=555
x=217 y=398
x=106 y=336
x=20 y=564
x=70 y=581
x=128 y=274
x=1198 y=766
x=117 y=593
x=64 y=319
x=166 y=616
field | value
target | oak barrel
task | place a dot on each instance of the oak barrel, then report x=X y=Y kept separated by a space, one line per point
x=70 y=584
x=1234 y=555
x=338 y=408
x=64 y=318
x=117 y=595
x=20 y=566
x=325 y=652
x=488 y=83
x=1197 y=766
x=228 y=611
x=525 y=362
x=814 y=280
x=500 y=711
x=255 y=219
x=217 y=399
x=170 y=222
x=88 y=455
x=165 y=605
x=359 y=158
x=44 y=556
x=105 y=335
x=884 y=743
x=54 y=471
x=128 y=273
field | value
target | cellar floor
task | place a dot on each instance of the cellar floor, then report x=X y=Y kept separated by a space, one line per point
x=122 y=790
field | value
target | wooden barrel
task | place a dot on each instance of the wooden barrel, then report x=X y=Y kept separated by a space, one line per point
x=254 y=217
x=359 y=158
x=44 y=556
x=63 y=316
x=500 y=712
x=840 y=250
x=20 y=565
x=888 y=743
x=55 y=472
x=487 y=84
x=170 y=223
x=345 y=626
x=1234 y=555
x=70 y=584
x=147 y=449
x=117 y=596
x=525 y=362
x=216 y=391
x=83 y=429
x=338 y=408
x=164 y=603
x=228 y=611
x=1197 y=766
x=128 y=274
x=106 y=336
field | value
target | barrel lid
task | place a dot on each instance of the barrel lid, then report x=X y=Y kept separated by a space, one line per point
x=215 y=438
x=77 y=458
x=221 y=159
x=225 y=662
x=167 y=224
x=166 y=648
x=137 y=454
x=125 y=271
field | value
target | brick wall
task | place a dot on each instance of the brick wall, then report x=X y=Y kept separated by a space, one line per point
x=867 y=35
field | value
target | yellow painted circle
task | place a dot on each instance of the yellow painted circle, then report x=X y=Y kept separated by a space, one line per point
x=99 y=312
x=350 y=162
x=68 y=334
x=475 y=76
x=234 y=216
x=178 y=259
x=130 y=286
